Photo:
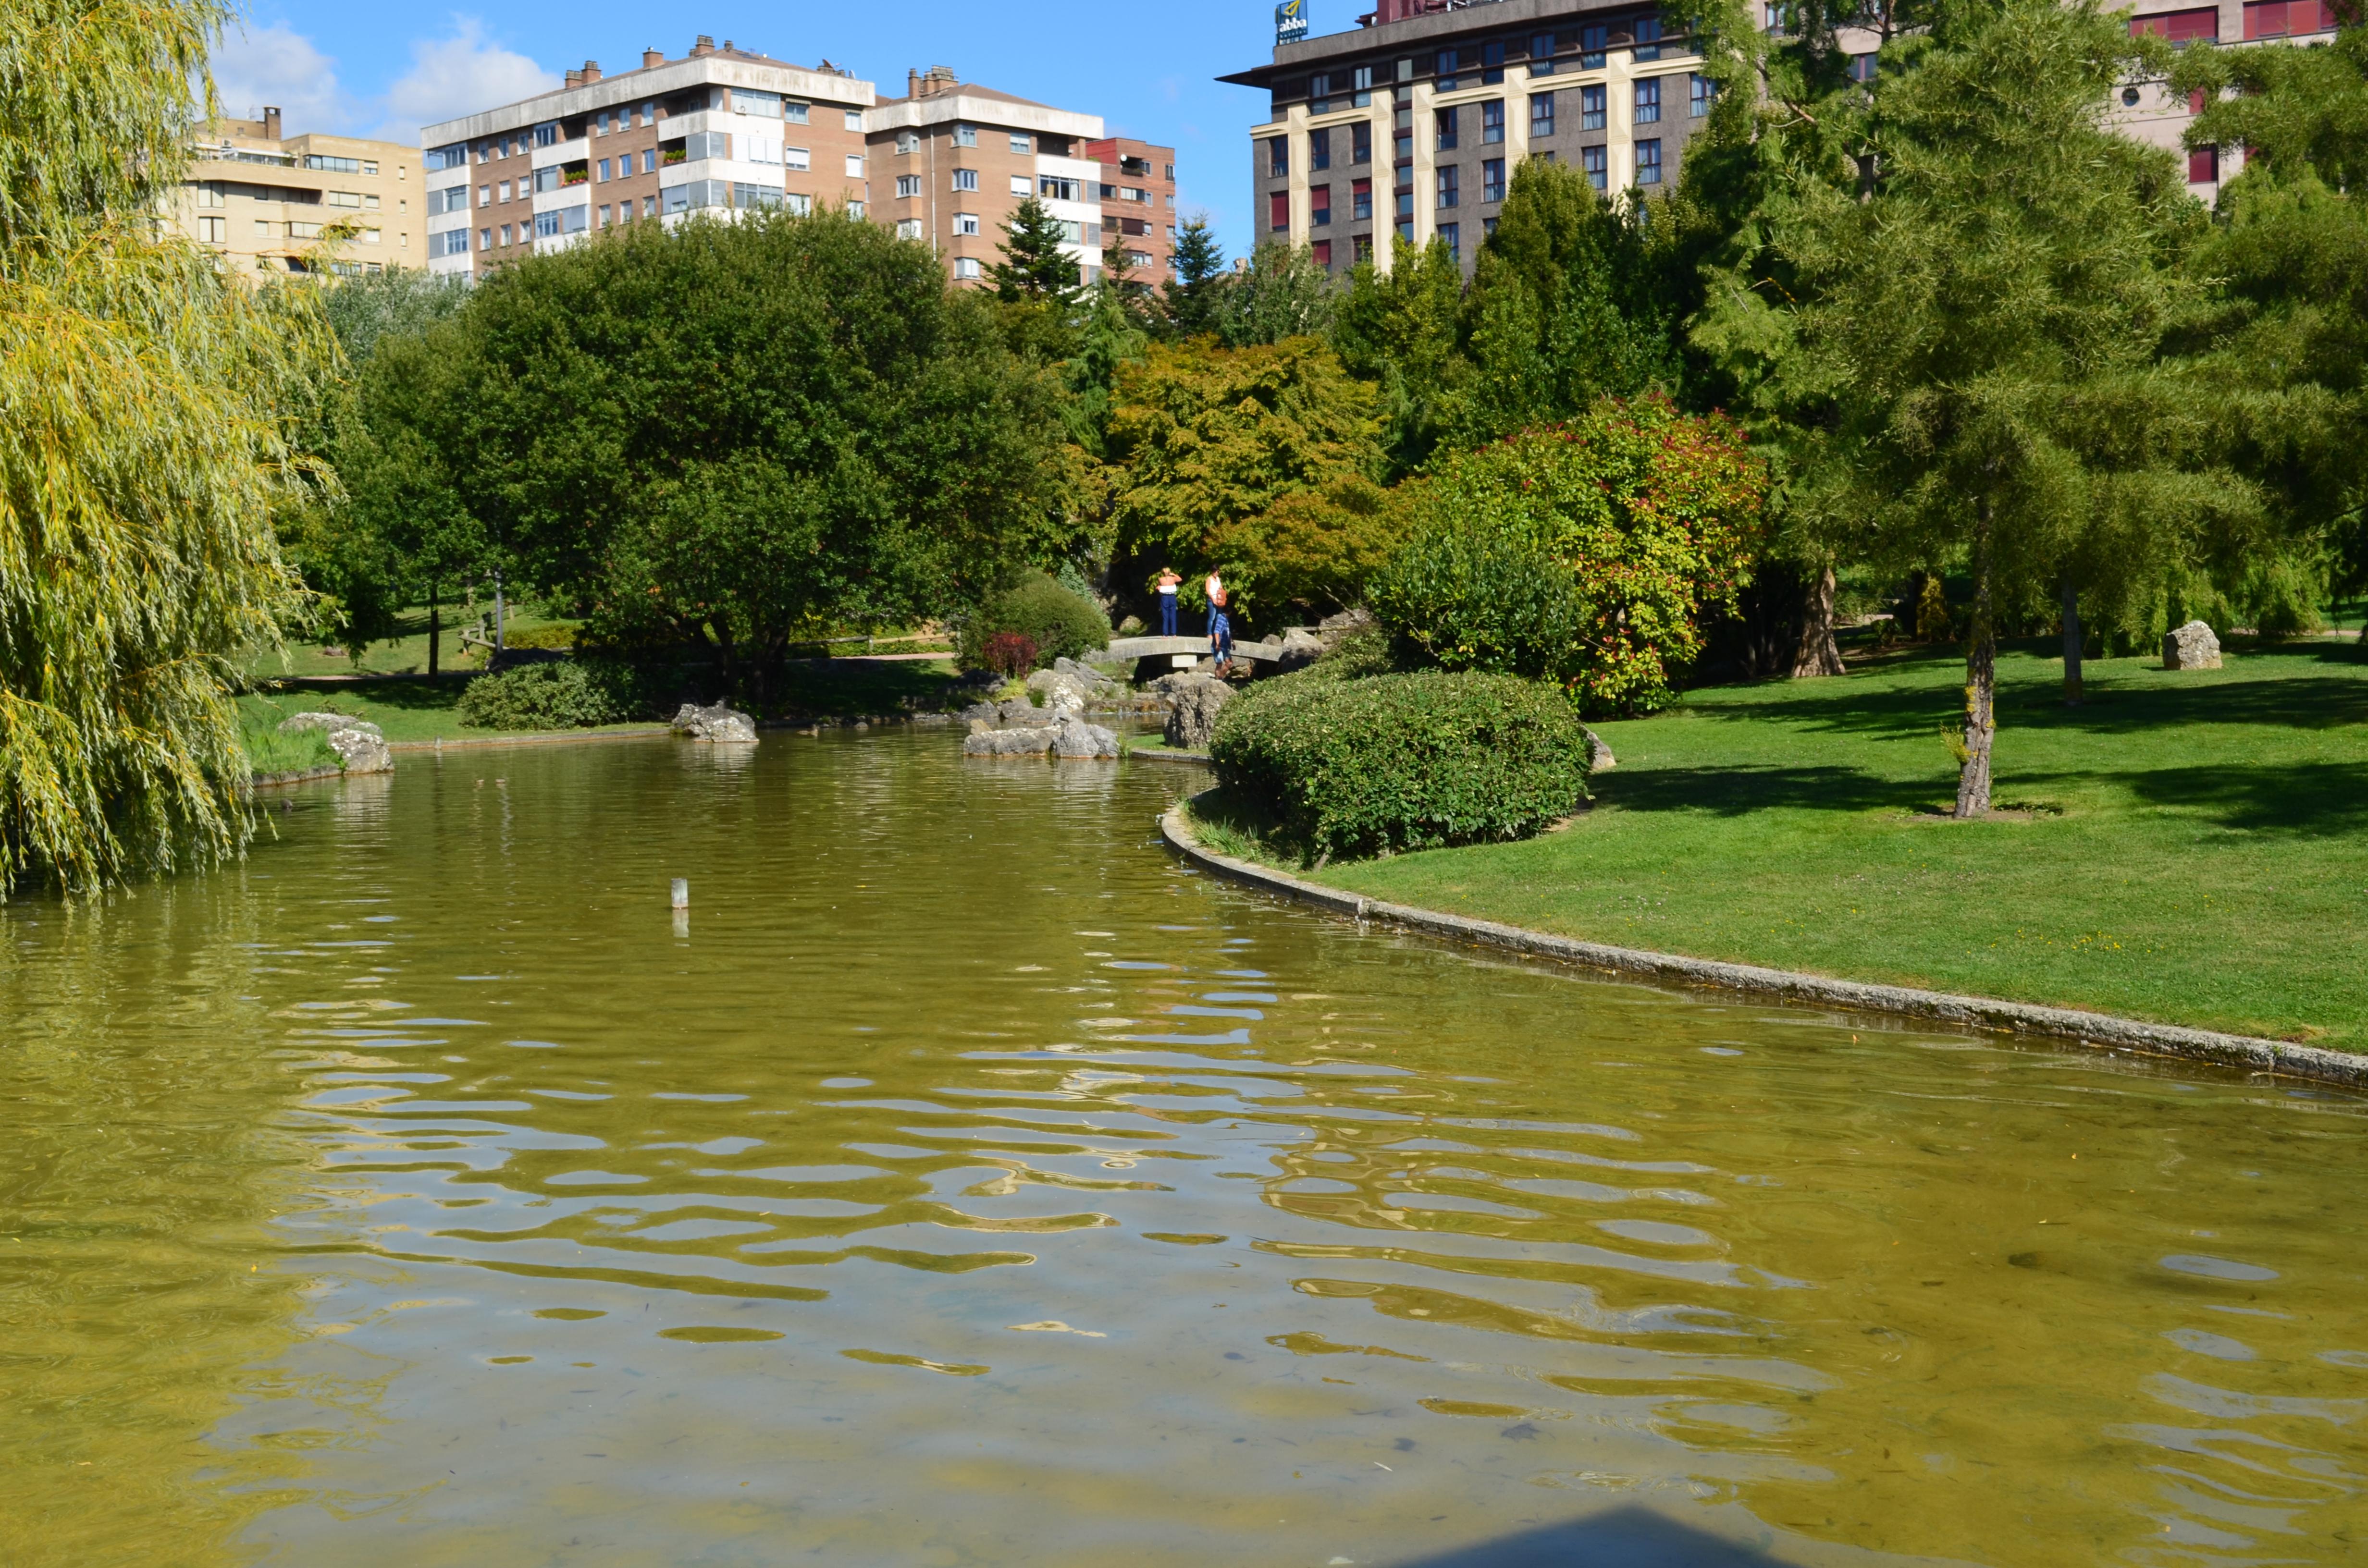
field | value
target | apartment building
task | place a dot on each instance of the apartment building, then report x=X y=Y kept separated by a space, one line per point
x=952 y=160
x=1413 y=123
x=267 y=203
x=1138 y=200
x=721 y=130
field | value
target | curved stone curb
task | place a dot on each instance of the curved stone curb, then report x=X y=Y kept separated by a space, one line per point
x=301 y=776
x=1973 y=1012
x=1142 y=755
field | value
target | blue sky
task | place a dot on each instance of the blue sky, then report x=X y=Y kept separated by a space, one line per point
x=385 y=71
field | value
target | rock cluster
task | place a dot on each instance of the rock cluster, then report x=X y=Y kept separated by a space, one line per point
x=1071 y=686
x=2191 y=647
x=1067 y=735
x=720 y=723
x=359 y=746
x=1194 y=702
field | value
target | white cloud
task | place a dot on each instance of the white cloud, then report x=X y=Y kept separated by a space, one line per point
x=275 y=65
x=457 y=75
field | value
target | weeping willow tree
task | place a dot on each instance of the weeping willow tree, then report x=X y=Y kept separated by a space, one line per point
x=148 y=412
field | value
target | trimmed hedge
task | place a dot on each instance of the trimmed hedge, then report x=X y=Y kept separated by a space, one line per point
x=1386 y=763
x=1061 y=623
x=560 y=695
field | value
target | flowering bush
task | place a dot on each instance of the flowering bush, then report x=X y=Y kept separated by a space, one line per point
x=1584 y=554
x=1010 y=653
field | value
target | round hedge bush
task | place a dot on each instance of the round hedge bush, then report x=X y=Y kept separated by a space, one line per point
x=558 y=695
x=1059 y=622
x=1394 y=761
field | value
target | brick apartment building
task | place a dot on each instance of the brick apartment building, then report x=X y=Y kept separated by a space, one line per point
x=1412 y=123
x=721 y=129
x=264 y=202
x=1138 y=200
x=955 y=160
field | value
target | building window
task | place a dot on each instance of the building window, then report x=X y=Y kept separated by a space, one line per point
x=649 y=160
x=1319 y=149
x=1319 y=206
x=454 y=242
x=1056 y=187
x=1590 y=108
x=1361 y=142
x=965 y=222
x=1450 y=182
x=1541 y=50
x=2204 y=165
x=853 y=121
x=1540 y=115
x=908 y=228
x=965 y=180
x=547 y=134
x=1591 y=160
x=767 y=105
x=2182 y=28
x=1648 y=101
x=1362 y=247
x=212 y=231
x=1492 y=179
x=796 y=159
x=1278 y=211
x=1447 y=62
x=908 y=185
x=604 y=215
x=1446 y=118
x=1278 y=156
x=1023 y=145
x=485 y=240
x=1700 y=93
x=1363 y=78
x=1648 y=38
x=855 y=165
x=1020 y=185
x=1861 y=67
x=1405 y=206
x=1492 y=121
x=907 y=142
x=2285 y=18
x=1492 y=65
x=604 y=171
x=1360 y=201
x=965 y=135
x=1648 y=161
x=508 y=235
x=1453 y=234
x=1591 y=41
x=966 y=268
x=1323 y=249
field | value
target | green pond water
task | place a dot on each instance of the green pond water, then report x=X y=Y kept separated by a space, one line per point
x=966 y=1181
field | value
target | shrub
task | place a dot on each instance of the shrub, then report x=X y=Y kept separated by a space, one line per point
x=560 y=694
x=1010 y=653
x=1386 y=763
x=1583 y=554
x=1060 y=624
x=561 y=637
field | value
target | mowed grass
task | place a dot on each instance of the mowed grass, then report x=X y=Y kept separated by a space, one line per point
x=2188 y=847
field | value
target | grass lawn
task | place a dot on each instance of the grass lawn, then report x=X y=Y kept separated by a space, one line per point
x=2191 y=848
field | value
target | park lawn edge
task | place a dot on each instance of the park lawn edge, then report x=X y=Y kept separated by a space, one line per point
x=2071 y=1025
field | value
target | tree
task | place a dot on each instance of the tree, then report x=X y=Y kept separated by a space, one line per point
x=1401 y=330
x=1206 y=438
x=1189 y=301
x=1585 y=553
x=1035 y=268
x=402 y=302
x=1987 y=323
x=735 y=434
x=152 y=404
x=1281 y=293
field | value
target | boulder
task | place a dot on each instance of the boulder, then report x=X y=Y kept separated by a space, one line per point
x=361 y=751
x=1094 y=680
x=2191 y=647
x=1008 y=742
x=1348 y=623
x=1058 y=691
x=1300 y=646
x=721 y=724
x=332 y=722
x=1598 y=755
x=1023 y=716
x=986 y=713
x=1074 y=737
x=1194 y=718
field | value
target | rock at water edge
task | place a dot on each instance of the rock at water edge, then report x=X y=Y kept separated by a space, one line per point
x=360 y=752
x=1197 y=701
x=1007 y=743
x=1074 y=737
x=332 y=722
x=2191 y=647
x=719 y=723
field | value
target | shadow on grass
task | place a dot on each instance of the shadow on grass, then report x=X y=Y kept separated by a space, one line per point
x=2304 y=797
x=1739 y=790
x=1624 y=1537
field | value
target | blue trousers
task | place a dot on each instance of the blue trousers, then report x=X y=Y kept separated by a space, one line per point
x=1220 y=635
x=1167 y=615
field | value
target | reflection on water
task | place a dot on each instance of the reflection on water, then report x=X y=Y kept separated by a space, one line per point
x=960 y=1181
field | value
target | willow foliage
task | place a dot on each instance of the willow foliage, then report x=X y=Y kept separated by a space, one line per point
x=147 y=411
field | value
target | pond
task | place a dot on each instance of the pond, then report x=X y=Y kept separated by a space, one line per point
x=963 y=1180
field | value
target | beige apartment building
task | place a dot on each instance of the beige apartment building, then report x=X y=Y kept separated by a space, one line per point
x=720 y=130
x=267 y=203
x=952 y=160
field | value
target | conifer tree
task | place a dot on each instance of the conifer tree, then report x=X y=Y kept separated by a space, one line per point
x=1190 y=300
x=1399 y=329
x=1035 y=270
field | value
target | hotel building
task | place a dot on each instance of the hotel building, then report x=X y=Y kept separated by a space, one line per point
x=952 y=161
x=719 y=131
x=263 y=202
x=1412 y=124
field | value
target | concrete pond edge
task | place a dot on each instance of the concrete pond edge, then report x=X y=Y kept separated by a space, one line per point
x=2094 y=1029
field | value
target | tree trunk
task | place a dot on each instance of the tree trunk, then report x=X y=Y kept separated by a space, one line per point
x=2071 y=645
x=1981 y=683
x=1817 y=654
x=435 y=628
